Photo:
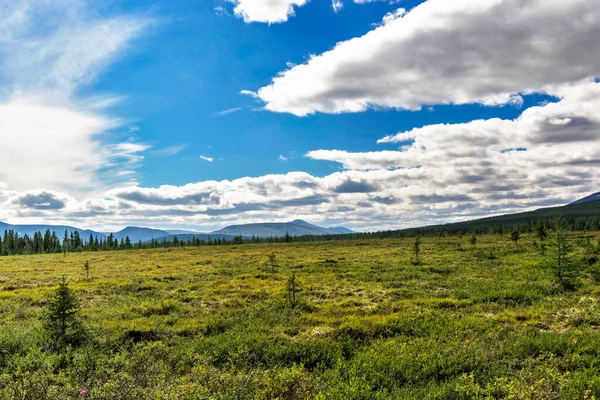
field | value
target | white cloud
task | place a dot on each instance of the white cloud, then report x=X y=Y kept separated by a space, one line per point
x=443 y=173
x=445 y=52
x=51 y=147
x=392 y=16
x=282 y=158
x=364 y=161
x=337 y=5
x=268 y=11
x=448 y=172
x=226 y=112
x=51 y=137
x=169 y=151
x=558 y=143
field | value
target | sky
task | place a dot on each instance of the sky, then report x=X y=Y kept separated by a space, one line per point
x=181 y=114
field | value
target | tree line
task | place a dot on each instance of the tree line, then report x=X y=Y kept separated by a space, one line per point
x=583 y=217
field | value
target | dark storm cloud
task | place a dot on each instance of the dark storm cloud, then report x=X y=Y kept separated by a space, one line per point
x=351 y=186
x=41 y=201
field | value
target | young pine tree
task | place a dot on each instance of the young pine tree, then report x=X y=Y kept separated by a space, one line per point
x=473 y=241
x=61 y=319
x=86 y=269
x=515 y=236
x=272 y=262
x=417 y=251
x=292 y=290
x=559 y=257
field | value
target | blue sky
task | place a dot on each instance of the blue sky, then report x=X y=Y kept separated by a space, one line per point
x=193 y=65
x=196 y=114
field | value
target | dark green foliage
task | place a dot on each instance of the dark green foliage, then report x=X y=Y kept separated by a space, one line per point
x=417 y=251
x=86 y=269
x=61 y=320
x=515 y=236
x=292 y=289
x=559 y=257
x=473 y=241
x=541 y=231
x=272 y=262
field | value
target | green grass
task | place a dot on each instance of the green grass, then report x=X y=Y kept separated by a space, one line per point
x=213 y=322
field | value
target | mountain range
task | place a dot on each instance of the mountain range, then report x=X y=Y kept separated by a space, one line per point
x=136 y=234
x=589 y=205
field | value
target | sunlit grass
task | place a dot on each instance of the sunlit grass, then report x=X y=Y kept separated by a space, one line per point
x=213 y=322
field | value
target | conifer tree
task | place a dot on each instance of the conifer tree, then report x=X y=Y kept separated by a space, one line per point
x=61 y=319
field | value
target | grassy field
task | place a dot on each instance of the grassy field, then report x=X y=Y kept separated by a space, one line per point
x=215 y=322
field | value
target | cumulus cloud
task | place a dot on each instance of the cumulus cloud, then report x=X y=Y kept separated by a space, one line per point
x=491 y=50
x=51 y=137
x=550 y=152
x=447 y=52
x=441 y=173
x=368 y=160
x=268 y=11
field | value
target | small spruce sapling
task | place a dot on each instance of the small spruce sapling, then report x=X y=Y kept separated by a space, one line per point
x=542 y=235
x=515 y=236
x=590 y=253
x=272 y=262
x=559 y=257
x=61 y=319
x=292 y=289
x=417 y=251
x=473 y=241
x=86 y=269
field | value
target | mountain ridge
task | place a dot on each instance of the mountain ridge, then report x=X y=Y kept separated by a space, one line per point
x=136 y=234
x=587 y=199
x=296 y=227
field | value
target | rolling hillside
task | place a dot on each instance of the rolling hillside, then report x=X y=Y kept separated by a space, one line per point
x=580 y=215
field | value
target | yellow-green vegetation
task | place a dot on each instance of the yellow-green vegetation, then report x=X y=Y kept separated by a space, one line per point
x=483 y=319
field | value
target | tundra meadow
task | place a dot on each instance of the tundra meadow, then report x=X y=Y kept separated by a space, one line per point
x=352 y=319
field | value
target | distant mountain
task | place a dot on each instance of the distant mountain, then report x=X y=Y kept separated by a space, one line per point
x=183 y=232
x=341 y=230
x=135 y=234
x=30 y=230
x=591 y=197
x=294 y=228
x=144 y=234
x=201 y=236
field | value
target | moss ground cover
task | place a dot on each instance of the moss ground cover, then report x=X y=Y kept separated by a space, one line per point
x=466 y=322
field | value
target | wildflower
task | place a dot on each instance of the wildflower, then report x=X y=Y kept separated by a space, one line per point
x=83 y=393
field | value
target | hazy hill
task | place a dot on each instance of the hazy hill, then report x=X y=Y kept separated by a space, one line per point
x=294 y=228
x=202 y=236
x=136 y=234
x=183 y=232
x=30 y=230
